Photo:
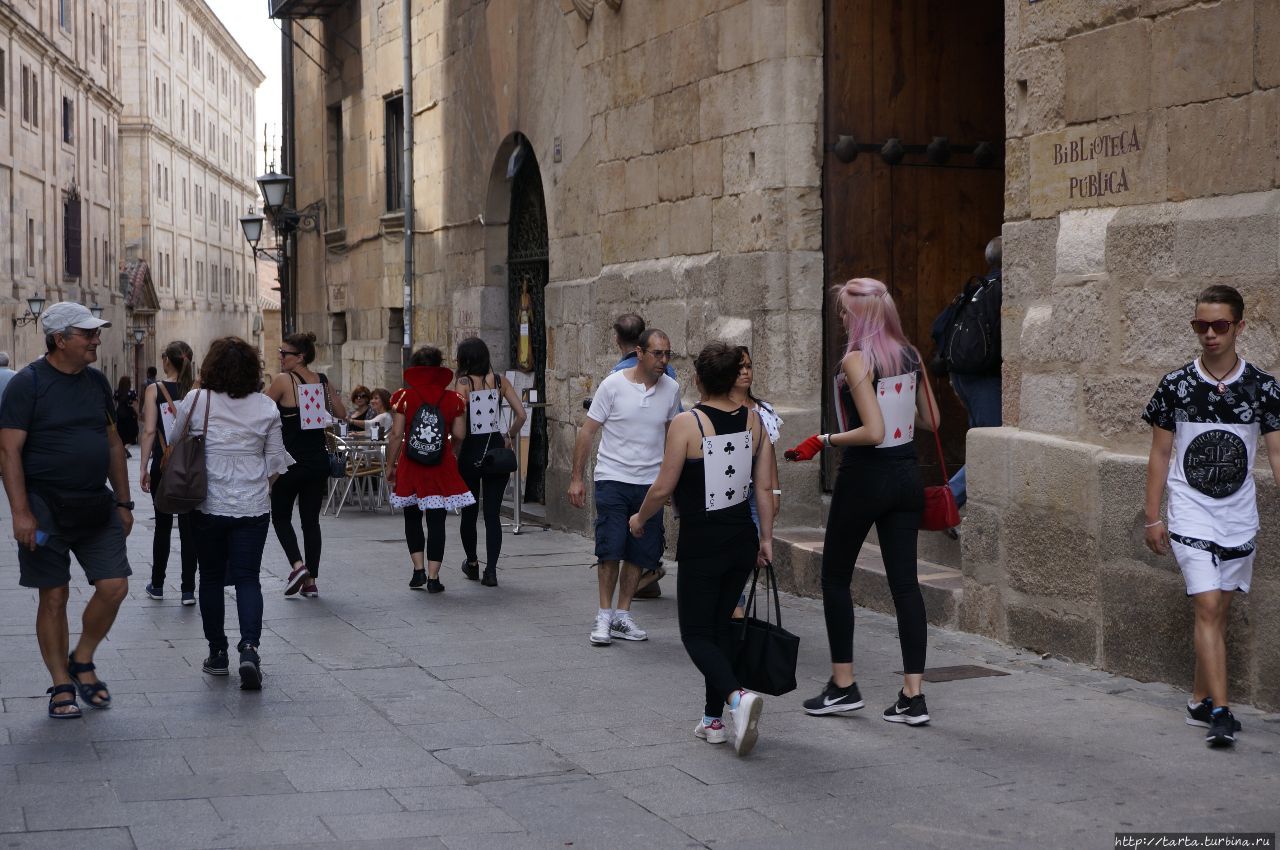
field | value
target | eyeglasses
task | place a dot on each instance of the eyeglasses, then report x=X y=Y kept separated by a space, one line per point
x=359 y=397
x=96 y=333
x=1220 y=326
x=660 y=353
x=284 y=352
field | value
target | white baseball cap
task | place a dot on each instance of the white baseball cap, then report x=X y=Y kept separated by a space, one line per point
x=68 y=314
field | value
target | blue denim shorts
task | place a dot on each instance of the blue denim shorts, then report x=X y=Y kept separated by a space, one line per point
x=615 y=503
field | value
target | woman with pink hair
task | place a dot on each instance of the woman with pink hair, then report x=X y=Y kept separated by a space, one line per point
x=883 y=397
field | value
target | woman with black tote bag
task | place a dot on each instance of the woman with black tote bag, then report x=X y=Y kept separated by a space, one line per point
x=713 y=453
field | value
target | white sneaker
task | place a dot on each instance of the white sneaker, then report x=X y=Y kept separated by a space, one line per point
x=600 y=634
x=713 y=734
x=746 y=717
x=625 y=628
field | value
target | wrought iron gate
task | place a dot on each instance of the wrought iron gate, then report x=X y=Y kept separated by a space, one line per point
x=527 y=272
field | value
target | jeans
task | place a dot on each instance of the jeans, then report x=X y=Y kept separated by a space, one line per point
x=307 y=486
x=889 y=495
x=230 y=553
x=707 y=590
x=980 y=395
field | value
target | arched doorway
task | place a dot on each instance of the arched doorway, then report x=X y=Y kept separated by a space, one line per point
x=527 y=272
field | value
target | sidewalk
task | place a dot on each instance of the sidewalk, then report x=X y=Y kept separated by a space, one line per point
x=481 y=718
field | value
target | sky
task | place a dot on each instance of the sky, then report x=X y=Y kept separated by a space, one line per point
x=259 y=36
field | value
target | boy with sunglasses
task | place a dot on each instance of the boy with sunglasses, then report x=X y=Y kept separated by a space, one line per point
x=1205 y=422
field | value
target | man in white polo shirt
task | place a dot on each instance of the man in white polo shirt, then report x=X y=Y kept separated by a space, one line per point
x=632 y=408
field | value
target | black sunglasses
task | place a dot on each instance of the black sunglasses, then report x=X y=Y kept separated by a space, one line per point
x=284 y=352
x=1220 y=326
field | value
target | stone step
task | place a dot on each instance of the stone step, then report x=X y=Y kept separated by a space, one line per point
x=797 y=558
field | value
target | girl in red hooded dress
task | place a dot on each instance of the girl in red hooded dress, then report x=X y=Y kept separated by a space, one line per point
x=430 y=490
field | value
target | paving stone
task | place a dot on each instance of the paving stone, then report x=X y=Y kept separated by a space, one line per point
x=99 y=839
x=415 y=824
x=263 y=806
x=68 y=813
x=194 y=787
x=213 y=832
x=499 y=761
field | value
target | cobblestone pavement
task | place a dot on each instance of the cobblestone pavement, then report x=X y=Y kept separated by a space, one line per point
x=482 y=718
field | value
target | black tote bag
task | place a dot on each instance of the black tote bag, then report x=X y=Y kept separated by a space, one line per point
x=765 y=654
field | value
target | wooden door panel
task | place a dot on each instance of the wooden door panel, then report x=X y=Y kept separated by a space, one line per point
x=911 y=69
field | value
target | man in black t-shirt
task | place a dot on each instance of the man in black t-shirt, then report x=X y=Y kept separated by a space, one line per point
x=1206 y=418
x=58 y=447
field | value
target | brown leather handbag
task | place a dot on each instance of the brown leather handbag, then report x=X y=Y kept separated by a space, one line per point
x=184 y=484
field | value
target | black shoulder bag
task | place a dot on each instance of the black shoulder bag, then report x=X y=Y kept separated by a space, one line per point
x=765 y=654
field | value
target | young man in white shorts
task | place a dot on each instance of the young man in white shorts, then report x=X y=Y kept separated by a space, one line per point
x=1205 y=420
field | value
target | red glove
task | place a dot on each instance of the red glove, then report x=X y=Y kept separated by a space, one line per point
x=806 y=450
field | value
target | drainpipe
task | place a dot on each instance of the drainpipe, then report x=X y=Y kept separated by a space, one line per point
x=288 y=266
x=406 y=172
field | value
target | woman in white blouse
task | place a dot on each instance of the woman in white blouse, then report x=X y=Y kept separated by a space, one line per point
x=379 y=413
x=244 y=453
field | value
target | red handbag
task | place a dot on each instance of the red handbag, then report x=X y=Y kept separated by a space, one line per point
x=940 y=511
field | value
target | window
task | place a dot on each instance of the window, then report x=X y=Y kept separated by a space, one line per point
x=182 y=37
x=186 y=275
x=157 y=82
x=336 y=189
x=95 y=258
x=182 y=111
x=195 y=124
x=394 y=150
x=166 y=183
x=31 y=244
x=95 y=140
x=68 y=121
x=213 y=207
x=30 y=97
x=226 y=280
x=64 y=20
x=164 y=98
x=226 y=213
x=102 y=32
x=106 y=261
x=71 y=236
x=106 y=155
x=159 y=191
x=199 y=201
x=195 y=51
x=4 y=80
x=184 y=194
x=93 y=52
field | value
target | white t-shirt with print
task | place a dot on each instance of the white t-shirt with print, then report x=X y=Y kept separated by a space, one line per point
x=1212 y=495
x=633 y=422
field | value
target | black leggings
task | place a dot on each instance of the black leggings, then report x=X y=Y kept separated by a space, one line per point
x=307 y=487
x=493 y=487
x=707 y=590
x=160 y=549
x=887 y=494
x=433 y=542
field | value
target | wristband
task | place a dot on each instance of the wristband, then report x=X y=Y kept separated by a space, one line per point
x=777 y=492
x=826 y=440
x=1154 y=524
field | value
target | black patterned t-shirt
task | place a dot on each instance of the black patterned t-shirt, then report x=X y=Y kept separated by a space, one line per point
x=1215 y=440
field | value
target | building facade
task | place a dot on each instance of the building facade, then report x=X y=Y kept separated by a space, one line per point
x=717 y=165
x=59 y=166
x=188 y=167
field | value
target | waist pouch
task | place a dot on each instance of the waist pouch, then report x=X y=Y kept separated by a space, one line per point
x=80 y=511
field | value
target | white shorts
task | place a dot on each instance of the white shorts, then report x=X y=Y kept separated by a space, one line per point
x=1205 y=569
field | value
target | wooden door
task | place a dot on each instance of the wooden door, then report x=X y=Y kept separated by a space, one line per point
x=912 y=70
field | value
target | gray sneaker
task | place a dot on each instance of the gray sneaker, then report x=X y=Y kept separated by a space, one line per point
x=600 y=631
x=624 y=628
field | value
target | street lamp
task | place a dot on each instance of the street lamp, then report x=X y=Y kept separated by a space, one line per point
x=96 y=310
x=35 y=306
x=286 y=221
x=139 y=334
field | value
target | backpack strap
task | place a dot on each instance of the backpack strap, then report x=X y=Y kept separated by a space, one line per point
x=168 y=399
x=697 y=419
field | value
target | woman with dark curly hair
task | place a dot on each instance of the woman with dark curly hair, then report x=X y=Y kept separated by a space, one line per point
x=244 y=453
x=306 y=480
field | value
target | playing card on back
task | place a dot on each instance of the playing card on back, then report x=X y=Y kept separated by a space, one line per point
x=726 y=466
x=168 y=414
x=311 y=408
x=483 y=409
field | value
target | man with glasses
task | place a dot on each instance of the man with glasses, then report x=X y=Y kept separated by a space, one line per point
x=631 y=410
x=58 y=447
x=1205 y=421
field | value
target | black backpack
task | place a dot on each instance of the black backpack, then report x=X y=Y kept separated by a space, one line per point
x=970 y=343
x=424 y=441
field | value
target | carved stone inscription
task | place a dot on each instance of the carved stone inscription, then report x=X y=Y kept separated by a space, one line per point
x=1109 y=163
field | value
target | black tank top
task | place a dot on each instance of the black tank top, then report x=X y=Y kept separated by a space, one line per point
x=854 y=455
x=307 y=447
x=157 y=449
x=704 y=532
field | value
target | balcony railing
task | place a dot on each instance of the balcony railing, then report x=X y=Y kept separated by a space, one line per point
x=304 y=8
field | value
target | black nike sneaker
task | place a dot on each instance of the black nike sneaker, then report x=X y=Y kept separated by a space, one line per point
x=1222 y=728
x=834 y=700
x=909 y=710
x=1201 y=713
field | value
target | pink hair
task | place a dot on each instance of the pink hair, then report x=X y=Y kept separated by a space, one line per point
x=872 y=325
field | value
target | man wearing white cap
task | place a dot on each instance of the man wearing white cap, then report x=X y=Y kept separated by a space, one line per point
x=58 y=447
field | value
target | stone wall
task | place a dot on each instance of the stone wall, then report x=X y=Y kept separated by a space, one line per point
x=679 y=148
x=1142 y=166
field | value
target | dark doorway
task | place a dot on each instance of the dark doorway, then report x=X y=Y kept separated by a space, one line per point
x=527 y=273
x=912 y=70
